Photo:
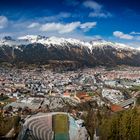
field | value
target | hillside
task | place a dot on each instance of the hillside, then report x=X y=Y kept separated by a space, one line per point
x=32 y=49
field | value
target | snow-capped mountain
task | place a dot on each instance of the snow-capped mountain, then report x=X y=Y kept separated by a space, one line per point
x=41 y=49
x=29 y=39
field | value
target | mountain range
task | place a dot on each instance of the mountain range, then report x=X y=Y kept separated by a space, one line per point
x=36 y=49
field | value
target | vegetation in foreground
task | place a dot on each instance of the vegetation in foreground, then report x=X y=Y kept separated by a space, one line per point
x=7 y=123
x=124 y=125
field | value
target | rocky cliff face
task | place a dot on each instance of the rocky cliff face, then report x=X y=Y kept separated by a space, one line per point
x=43 y=50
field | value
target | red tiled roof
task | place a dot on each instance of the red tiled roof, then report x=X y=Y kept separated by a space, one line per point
x=116 y=108
x=66 y=93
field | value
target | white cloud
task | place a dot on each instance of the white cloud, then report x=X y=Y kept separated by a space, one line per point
x=66 y=28
x=3 y=22
x=64 y=15
x=92 y=5
x=137 y=37
x=100 y=14
x=98 y=10
x=56 y=17
x=134 y=44
x=135 y=33
x=59 y=27
x=33 y=25
x=88 y=25
x=121 y=35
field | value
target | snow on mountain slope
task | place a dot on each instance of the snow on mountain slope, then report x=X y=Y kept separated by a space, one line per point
x=61 y=42
x=53 y=41
x=41 y=49
x=103 y=44
x=100 y=43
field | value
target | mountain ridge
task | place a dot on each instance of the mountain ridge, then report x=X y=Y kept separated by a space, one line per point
x=41 y=49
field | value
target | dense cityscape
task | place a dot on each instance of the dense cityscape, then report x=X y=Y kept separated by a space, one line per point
x=28 y=91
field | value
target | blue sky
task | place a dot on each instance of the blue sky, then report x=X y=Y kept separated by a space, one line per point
x=115 y=20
